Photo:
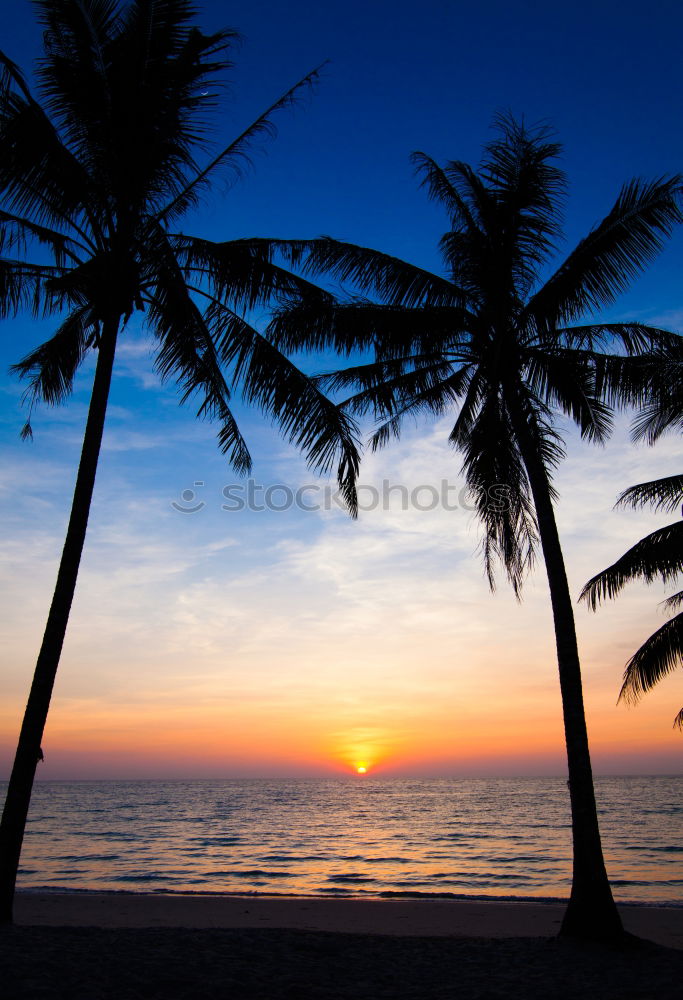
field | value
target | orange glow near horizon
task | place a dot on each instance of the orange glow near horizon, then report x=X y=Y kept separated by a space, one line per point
x=474 y=734
x=361 y=749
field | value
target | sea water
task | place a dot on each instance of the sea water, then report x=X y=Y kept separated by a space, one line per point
x=356 y=836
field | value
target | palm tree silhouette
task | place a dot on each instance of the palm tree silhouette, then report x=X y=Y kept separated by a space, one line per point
x=491 y=340
x=656 y=385
x=94 y=179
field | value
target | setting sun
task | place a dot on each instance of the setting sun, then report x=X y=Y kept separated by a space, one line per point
x=361 y=769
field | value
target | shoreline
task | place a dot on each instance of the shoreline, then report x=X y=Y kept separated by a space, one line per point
x=403 y=917
x=354 y=894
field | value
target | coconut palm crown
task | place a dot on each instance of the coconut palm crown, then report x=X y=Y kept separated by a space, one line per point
x=499 y=339
x=96 y=172
x=98 y=175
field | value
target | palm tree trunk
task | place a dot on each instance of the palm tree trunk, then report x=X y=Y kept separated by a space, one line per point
x=29 y=747
x=591 y=912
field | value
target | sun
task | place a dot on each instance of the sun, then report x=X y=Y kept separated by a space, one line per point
x=361 y=769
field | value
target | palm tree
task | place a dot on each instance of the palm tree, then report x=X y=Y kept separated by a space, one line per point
x=494 y=342
x=656 y=384
x=95 y=176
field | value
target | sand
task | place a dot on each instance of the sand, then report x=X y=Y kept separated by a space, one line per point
x=98 y=946
x=405 y=917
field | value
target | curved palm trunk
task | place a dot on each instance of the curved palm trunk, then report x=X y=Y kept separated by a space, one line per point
x=28 y=749
x=591 y=912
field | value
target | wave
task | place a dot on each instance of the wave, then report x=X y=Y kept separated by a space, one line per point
x=439 y=837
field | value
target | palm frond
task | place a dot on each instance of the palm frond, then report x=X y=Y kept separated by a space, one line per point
x=476 y=195
x=497 y=477
x=657 y=556
x=633 y=365
x=17 y=232
x=29 y=286
x=528 y=188
x=520 y=158
x=661 y=494
x=565 y=379
x=661 y=394
x=430 y=390
x=11 y=77
x=655 y=418
x=394 y=281
x=50 y=368
x=472 y=399
x=658 y=656
x=607 y=261
x=394 y=332
x=435 y=179
x=76 y=36
x=635 y=340
x=498 y=483
x=307 y=418
x=326 y=434
x=236 y=153
x=242 y=272
x=538 y=423
x=188 y=355
x=319 y=322
x=38 y=176
x=674 y=602
x=386 y=386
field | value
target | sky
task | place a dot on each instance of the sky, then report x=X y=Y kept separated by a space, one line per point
x=213 y=642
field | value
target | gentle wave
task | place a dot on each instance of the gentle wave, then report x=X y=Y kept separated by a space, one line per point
x=451 y=838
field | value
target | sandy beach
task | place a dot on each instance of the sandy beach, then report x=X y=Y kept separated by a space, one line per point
x=129 y=945
x=404 y=917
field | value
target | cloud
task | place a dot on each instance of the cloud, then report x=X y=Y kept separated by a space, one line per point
x=385 y=624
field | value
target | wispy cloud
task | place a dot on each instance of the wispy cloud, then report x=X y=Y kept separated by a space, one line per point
x=385 y=624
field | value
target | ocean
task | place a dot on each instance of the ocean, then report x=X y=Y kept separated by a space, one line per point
x=356 y=836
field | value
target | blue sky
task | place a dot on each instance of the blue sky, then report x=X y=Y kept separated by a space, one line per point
x=288 y=612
